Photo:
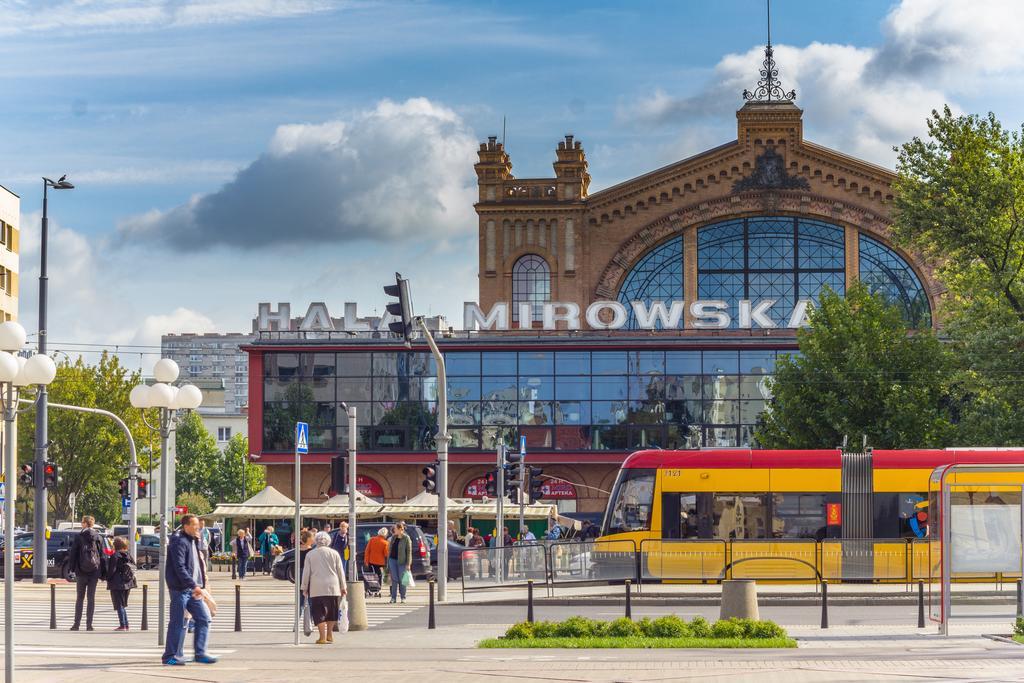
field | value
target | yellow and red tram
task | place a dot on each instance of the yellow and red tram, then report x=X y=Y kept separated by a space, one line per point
x=785 y=514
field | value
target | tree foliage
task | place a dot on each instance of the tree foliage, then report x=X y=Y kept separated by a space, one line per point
x=203 y=469
x=860 y=373
x=197 y=503
x=91 y=450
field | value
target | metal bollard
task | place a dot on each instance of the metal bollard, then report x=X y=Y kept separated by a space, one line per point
x=53 y=607
x=629 y=606
x=529 y=601
x=920 y=604
x=238 y=608
x=1020 y=599
x=824 y=604
x=430 y=615
x=145 y=607
x=234 y=569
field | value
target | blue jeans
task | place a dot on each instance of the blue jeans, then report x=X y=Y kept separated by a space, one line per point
x=242 y=563
x=396 y=571
x=175 y=644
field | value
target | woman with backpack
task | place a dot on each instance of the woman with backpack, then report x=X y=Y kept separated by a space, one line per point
x=121 y=580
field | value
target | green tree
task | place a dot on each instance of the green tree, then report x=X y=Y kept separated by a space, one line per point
x=860 y=373
x=197 y=503
x=960 y=201
x=91 y=450
x=236 y=466
x=202 y=468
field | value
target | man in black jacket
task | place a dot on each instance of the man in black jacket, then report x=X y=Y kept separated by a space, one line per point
x=185 y=579
x=86 y=560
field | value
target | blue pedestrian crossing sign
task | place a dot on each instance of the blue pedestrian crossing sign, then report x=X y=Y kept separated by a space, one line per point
x=522 y=445
x=301 y=437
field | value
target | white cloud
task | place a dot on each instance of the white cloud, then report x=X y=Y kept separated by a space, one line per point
x=179 y=320
x=399 y=170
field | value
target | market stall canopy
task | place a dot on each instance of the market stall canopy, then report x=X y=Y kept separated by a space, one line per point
x=337 y=506
x=489 y=510
x=424 y=505
x=267 y=504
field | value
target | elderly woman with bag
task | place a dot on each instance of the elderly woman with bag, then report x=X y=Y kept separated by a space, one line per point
x=323 y=583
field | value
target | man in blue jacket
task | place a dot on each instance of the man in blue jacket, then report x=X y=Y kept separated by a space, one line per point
x=184 y=574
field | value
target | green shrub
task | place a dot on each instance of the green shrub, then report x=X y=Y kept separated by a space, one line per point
x=1018 y=628
x=646 y=626
x=623 y=628
x=670 y=627
x=544 y=629
x=520 y=631
x=600 y=628
x=575 y=627
x=765 y=629
x=700 y=628
x=727 y=628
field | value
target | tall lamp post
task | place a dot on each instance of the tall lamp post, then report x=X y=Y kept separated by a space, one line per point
x=16 y=372
x=39 y=518
x=173 y=403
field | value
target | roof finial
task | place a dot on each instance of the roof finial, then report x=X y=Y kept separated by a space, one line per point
x=769 y=88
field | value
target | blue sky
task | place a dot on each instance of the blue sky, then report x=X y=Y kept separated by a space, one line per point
x=228 y=152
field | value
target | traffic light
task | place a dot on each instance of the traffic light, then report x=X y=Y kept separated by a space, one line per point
x=536 y=487
x=401 y=309
x=51 y=474
x=339 y=467
x=142 y=484
x=25 y=478
x=492 y=484
x=125 y=488
x=430 y=477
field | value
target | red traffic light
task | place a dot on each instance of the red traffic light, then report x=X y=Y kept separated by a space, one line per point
x=49 y=469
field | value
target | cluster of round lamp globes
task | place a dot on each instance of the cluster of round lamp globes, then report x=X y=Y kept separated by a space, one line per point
x=162 y=394
x=18 y=370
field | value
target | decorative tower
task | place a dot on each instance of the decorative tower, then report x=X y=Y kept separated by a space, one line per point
x=572 y=176
x=492 y=170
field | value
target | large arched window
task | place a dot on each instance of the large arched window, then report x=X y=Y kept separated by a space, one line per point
x=531 y=284
x=658 y=276
x=885 y=271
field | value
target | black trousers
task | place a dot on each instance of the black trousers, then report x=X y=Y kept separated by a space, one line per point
x=86 y=584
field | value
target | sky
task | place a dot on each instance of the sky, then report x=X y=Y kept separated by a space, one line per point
x=228 y=152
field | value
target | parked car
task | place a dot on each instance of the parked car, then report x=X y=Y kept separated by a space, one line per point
x=147 y=551
x=284 y=564
x=455 y=551
x=57 y=548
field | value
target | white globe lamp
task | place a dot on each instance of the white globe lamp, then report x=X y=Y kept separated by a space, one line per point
x=40 y=369
x=139 y=396
x=12 y=336
x=165 y=370
x=189 y=397
x=160 y=395
x=9 y=367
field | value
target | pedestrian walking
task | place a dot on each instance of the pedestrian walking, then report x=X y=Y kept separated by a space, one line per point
x=87 y=562
x=375 y=556
x=399 y=561
x=185 y=577
x=204 y=543
x=241 y=551
x=268 y=542
x=453 y=532
x=323 y=583
x=121 y=580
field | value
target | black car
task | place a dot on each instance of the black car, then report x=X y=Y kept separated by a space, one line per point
x=284 y=565
x=147 y=551
x=455 y=551
x=57 y=548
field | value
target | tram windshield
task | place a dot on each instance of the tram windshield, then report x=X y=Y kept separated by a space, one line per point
x=629 y=508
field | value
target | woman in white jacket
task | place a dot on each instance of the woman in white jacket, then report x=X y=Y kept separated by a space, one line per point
x=323 y=582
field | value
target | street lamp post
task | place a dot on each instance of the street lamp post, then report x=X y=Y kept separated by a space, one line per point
x=39 y=518
x=15 y=373
x=169 y=400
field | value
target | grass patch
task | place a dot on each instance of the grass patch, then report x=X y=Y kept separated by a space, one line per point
x=1019 y=639
x=595 y=642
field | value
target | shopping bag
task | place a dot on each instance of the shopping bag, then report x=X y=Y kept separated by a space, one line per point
x=412 y=582
x=343 y=616
x=407 y=578
x=307 y=622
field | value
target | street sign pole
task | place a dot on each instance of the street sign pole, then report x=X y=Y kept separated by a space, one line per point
x=522 y=486
x=442 y=465
x=352 y=420
x=301 y=447
x=500 y=520
x=10 y=407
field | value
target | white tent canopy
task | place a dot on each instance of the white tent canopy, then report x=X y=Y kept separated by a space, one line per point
x=337 y=506
x=489 y=510
x=423 y=504
x=267 y=504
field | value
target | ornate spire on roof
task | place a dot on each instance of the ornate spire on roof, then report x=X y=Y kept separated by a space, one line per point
x=769 y=88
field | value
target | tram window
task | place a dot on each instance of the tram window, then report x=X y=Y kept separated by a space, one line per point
x=913 y=515
x=798 y=515
x=679 y=515
x=630 y=508
x=737 y=516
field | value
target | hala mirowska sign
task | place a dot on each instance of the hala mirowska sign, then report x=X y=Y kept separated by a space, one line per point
x=712 y=314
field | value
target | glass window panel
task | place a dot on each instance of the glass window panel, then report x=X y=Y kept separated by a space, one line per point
x=727 y=286
x=323 y=390
x=608 y=388
x=572 y=412
x=535 y=413
x=609 y=363
x=281 y=365
x=279 y=424
x=390 y=438
x=351 y=364
x=657 y=276
x=750 y=411
x=647 y=436
x=385 y=364
x=812 y=284
x=721 y=412
x=500 y=388
x=720 y=246
x=417 y=364
x=353 y=389
x=572 y=363
x=798 y=515
x=739 y=516
x=720 y=437
x=684 y=412
x=721 y=386
x=323 y=364
x=757 y=362
x=721 y=362
x=778 y=286
x=465 y=438
x=649 y=388
x=460 y=363
x=609 y=412
x=646 y=412
x=537 y=437
x=363 y=435
x=499 y=413
x=822 y=246
x=464 y=388
x=770 y=244
x=678 y=436
x=683 y=387
x=747 y=436
x=536 y=388
x=646 y=362
x=405 y=389
x=464 y=412
x=756 y=386
x=531 y=283
x=278 y=390
x=499 y=363
x=494 y=436
x=574 y=438
x=536 y=363
x=682 y=362
x=417 y=413
x=572 y=388
x=610 y=438
x=885 y=271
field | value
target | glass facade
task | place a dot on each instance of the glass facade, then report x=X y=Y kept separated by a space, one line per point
x=658 y=276
x=885 y=271
x=531 y=284
x=560 y=400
